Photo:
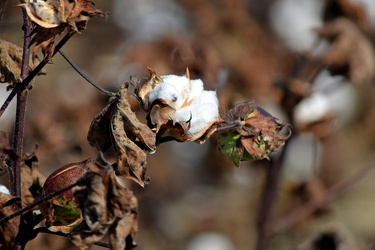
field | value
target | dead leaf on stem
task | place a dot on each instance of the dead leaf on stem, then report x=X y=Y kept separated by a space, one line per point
x=117 y=125
x=9 y=229
x=32 y=180
x=54 y=16
x=107 y=207
x=351 y=53
x=10 y=63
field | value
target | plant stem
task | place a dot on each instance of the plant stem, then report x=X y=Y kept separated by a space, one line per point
x=17 y=142
x=21 y=85
x=268 y=199
x=310 y=207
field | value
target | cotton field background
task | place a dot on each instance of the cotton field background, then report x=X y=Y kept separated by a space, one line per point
x=310 y=63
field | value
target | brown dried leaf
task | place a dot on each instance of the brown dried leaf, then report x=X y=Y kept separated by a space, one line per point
x=99 y=135
x=81 y=14
x=159 y=115
x=123 y=232
x=131 y=160
x=10 y=63
x=107 y=207
x=9 y=229
x=32 y=180
x=44 y=39
x=142 y=91
x=117 y=125
x=138 y=132
x=351 y=52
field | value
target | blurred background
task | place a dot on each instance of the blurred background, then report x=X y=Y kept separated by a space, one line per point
x=310 y=63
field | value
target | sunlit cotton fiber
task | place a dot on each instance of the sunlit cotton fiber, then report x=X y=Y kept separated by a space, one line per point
x=192 y=103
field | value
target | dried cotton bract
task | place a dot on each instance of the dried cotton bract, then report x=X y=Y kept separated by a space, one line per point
x=179 y=107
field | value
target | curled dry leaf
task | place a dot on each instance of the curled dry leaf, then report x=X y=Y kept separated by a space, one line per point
x=178 y=108
x=252 y=133
x=107 y=207
x=32 y=180
x=10 y=63
x=117 y=125
x=54 y=16
x=62 y=212
x=9 y=229
x=351 y=52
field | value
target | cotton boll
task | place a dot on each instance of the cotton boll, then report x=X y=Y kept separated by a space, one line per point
x=201 y=112
x=4 y=189
x=294 y=22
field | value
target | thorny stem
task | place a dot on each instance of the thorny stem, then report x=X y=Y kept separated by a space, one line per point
x=86 y=77
x=41 y=200
x=310 y=207
x=268 y=199
x=20 y=85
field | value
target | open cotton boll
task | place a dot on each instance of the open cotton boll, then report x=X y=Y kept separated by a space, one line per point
x=168 y=93
x=181 y=83
x=201 y=112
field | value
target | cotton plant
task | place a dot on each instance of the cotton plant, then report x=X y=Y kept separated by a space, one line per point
x=178 y=108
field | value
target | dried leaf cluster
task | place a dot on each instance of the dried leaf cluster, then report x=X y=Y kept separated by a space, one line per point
x=253 y=133
x=10 y=63
x=54 y=16
x=108 y=208
x=117 y=125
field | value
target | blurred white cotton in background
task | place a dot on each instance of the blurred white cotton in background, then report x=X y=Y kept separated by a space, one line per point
x=302 y=157
x=294 y=22
x=147 y=20
x=210 y=241
x=331 y=95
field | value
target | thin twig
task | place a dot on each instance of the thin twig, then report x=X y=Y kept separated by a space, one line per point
x=86 y=77
x=268 y=199
x=41 y=200
x=310 y=207
x=20 y=85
